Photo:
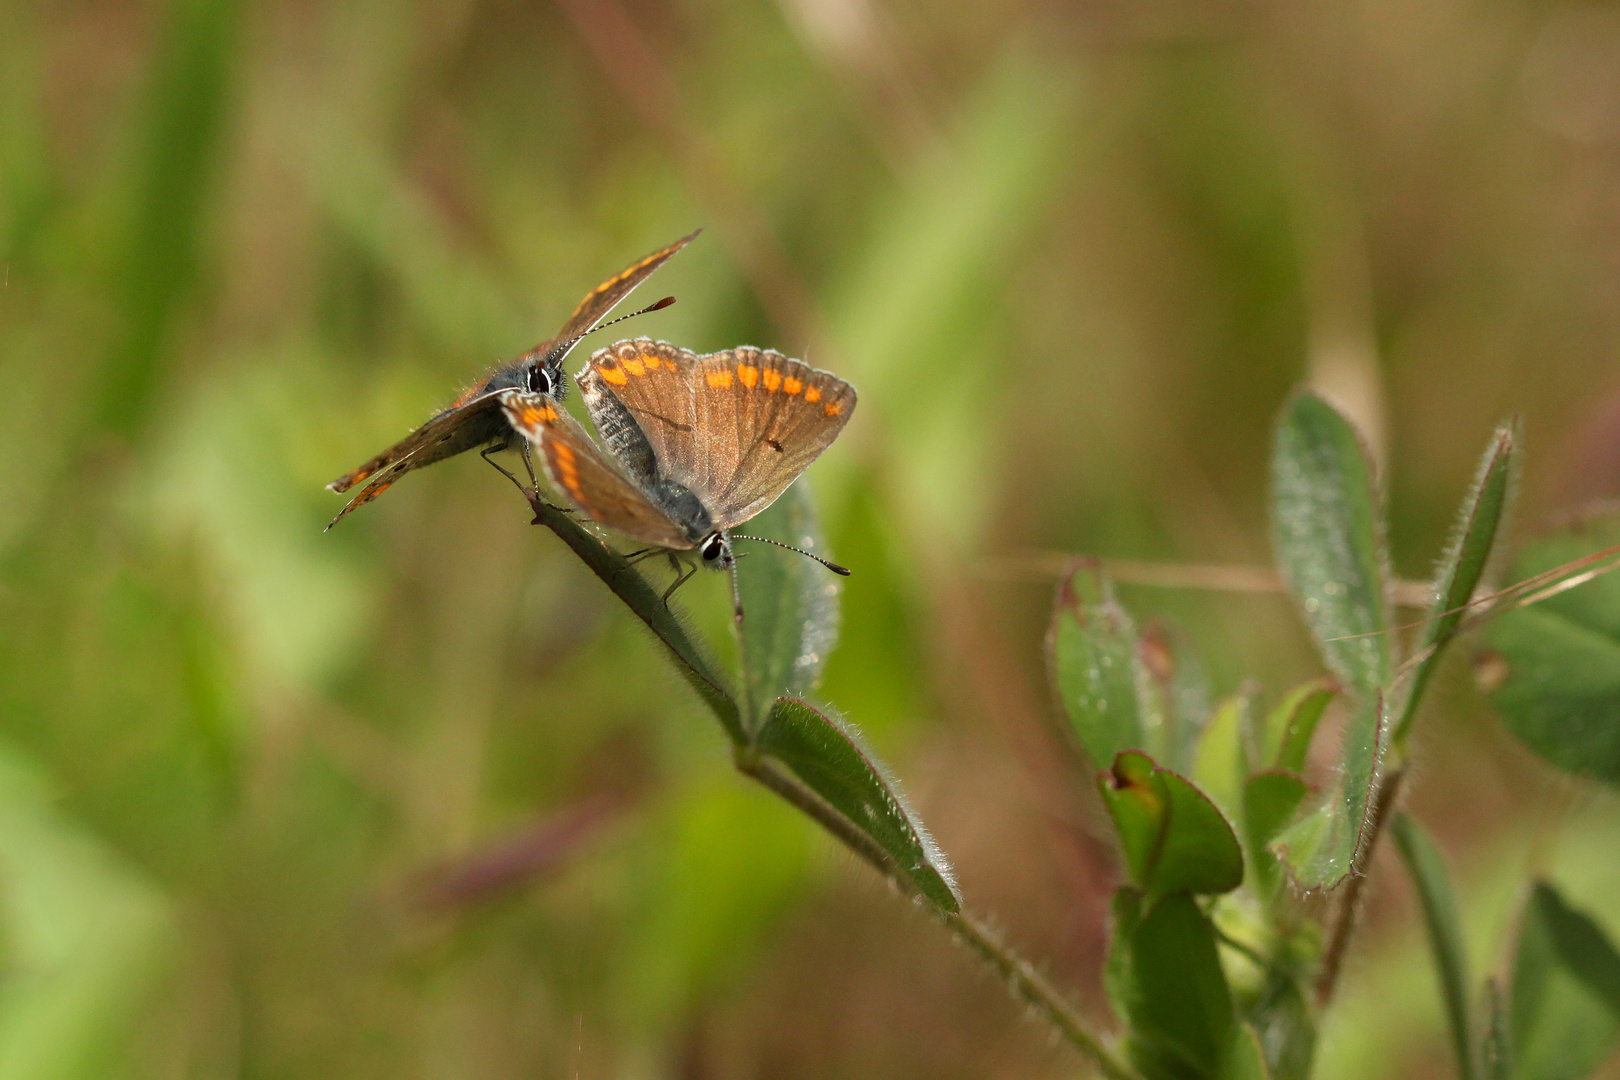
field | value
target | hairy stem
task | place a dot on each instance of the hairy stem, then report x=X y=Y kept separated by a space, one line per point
x=1027 y=984
x=1344 y=925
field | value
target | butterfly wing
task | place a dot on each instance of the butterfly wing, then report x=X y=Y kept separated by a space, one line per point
x=586 y=476
x=735 y=427
x=472 y=420
x=601 y=301
x=457 y=429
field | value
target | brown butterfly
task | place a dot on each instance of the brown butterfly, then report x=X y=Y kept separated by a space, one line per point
x=695 y=445
x=474 y=418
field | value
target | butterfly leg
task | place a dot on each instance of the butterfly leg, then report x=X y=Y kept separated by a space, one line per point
x=682 y=573
x=528 y=463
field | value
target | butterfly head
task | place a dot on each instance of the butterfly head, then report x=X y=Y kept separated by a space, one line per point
x=716 y=551
x=544 y=375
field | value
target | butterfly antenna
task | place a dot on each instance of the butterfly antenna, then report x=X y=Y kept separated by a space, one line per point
x=568 y=346
x=736 y=595
x=828 y=563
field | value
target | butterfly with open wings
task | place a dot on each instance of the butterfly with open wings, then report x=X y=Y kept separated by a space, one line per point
x=474 y=418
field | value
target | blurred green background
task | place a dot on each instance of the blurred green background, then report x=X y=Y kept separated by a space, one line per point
x=415 y=799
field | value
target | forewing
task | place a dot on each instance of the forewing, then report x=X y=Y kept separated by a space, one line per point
x=606 y=296
x=458 y=428
x=585 y=475
x=641 y=399
x=761 y=419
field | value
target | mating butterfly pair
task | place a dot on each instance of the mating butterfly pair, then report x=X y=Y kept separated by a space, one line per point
x=695 y=445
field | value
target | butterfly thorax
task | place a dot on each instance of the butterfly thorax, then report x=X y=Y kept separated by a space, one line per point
x=683 y=508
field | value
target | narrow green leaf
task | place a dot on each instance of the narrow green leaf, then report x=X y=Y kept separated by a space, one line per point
x=1244 y=1059
x=1327 y=529
x=1556 y=664
x=1270 y=801
x=827 y=756
x=1292 y=723
x=1324 y=845
x=1564 y=1015
x=1464 y=561
x=1220 y=764
x=1091 y=652
x=1428 y=871
x=791 y=605
x=1174 y=838
x=1165 y=981
x=178 y=155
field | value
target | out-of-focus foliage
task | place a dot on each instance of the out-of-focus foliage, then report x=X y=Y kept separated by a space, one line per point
x=1073 y=256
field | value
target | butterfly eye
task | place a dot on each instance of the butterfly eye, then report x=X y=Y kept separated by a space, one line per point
x=540 y=379
x=715 y=550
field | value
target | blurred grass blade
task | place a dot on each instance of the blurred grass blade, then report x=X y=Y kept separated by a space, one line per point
x=1092 y=656
x=1553 y=669
x=826 y=755
x=1165 y=981
x=1327 y=531
x=86 y=939
x=791 y=604
x=1465 y=560
x=1173 y=837
x=1292 y=723
x=1428 y=872
x=1565 y=1012
x=185 y=119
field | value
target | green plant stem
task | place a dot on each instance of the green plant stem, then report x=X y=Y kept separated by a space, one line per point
x=1344 y=925
x=629 y=586
x=1025 y=982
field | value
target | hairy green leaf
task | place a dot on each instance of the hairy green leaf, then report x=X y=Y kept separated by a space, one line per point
x=1327 y=531
x=791 y=605
x=1092 y=654
x=1428 y=871
x=1556 y=664
x=1173 y=837
x=1323 y=846
x=1565 y=1012
x=1165 y=981
x=1291 y=724
x=1464 y=561
x=827 y=756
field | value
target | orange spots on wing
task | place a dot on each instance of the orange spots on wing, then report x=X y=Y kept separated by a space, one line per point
x=567 y=469
x=748 y=375
x=367 y=496
x=613 y=374
x=791 y=386
x=535 y=416
x=771 y=378
x=634 y=366
x=812 y=394
x=832 y=408
x=718 y=380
